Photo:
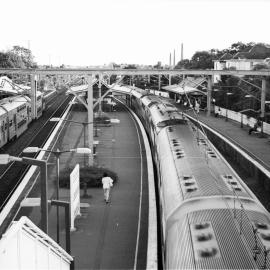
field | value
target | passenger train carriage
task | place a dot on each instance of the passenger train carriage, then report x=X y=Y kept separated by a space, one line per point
x=15 y=114
x=210 y=219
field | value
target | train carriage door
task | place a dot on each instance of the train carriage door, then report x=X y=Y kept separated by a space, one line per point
x=3 y=131
x=2 y=139
x=28 y=113
x=15 y=123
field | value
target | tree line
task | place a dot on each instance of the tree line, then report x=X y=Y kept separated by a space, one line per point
x=17 y=57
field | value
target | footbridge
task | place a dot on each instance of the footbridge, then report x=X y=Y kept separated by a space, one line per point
x=102 y=77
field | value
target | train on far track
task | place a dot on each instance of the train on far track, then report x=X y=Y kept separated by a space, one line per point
x=15 y=114
x=209 y=217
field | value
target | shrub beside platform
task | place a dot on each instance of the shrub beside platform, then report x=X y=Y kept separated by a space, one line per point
x=91 y=175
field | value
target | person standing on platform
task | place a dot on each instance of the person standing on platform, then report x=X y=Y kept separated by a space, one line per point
x=107 y=183
x=257 y=124
x=197 y=106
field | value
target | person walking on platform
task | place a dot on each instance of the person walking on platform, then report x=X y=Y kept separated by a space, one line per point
x=107 y=183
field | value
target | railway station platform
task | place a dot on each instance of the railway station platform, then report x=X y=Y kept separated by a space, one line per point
x=114 y=235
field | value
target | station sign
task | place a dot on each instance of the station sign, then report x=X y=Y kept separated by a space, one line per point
x=74 y=196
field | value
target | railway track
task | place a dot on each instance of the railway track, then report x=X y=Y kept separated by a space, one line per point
x=36 y=135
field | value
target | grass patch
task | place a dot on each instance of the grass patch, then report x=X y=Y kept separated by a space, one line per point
x=91 y=175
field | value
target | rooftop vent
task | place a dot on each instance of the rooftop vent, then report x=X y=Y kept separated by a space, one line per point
x=201 y=141
x=176 y=142
x=200 y=226
x=204 y=237
x=264 y=234
x=261 y=226
x=170 y=129
x=232 y=183
x=207 y=252
x=205 y=243
x=211 y=153
x=188 y=183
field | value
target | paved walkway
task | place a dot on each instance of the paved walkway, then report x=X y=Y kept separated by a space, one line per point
x=107 y=234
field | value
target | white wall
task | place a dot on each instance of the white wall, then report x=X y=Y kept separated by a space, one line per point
x=25 y=246
x=247 y=121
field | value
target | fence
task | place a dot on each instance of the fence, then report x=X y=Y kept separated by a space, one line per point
x=241 y=118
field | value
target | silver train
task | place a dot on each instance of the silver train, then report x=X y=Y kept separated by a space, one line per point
x=210 y=219
x=15 y=114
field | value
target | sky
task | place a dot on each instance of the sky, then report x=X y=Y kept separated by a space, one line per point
x=98 y=32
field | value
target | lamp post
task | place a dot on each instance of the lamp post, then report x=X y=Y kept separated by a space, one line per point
x=227 y=104
x=57 y=119
x=5 y=159
x=215 y=90
x=57 y=154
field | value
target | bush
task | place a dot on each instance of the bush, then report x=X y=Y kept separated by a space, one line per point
x=91 y=175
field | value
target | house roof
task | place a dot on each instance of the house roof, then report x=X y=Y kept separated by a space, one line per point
x=258 y=51
x=226 y=56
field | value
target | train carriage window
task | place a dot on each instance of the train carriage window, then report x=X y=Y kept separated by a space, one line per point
x=21 y=123
x=10 y=123
x=171 y=122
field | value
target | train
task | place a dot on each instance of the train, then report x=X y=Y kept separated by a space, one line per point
x=209 y=217
x=15 y=114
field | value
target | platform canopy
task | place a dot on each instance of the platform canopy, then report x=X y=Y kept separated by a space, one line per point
x=81 y=88
x=187 y=86
x=9 y=87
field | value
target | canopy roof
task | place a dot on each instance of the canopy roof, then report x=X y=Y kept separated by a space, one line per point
x=187 y=86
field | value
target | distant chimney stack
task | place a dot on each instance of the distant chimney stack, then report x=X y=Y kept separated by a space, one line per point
x=173 y=58
x=182 y=52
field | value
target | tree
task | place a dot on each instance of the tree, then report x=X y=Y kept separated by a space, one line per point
x=4 y=60
x=202 y=60
x=25 y=55
x=15 y=61
x=184 y=64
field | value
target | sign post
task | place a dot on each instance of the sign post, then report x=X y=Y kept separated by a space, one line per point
x=74 y=196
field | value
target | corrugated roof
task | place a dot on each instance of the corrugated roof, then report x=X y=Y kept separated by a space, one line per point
x=188 y=85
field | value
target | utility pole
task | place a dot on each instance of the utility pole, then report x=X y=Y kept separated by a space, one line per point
x=182 y=52
x=90 y=79
x=174 y=58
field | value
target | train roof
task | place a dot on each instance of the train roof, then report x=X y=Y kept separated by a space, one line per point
x=198 y=170
x=163 y=113
x=13 y=102
x=128 y=89
x=211 y=214
x=218 y=238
